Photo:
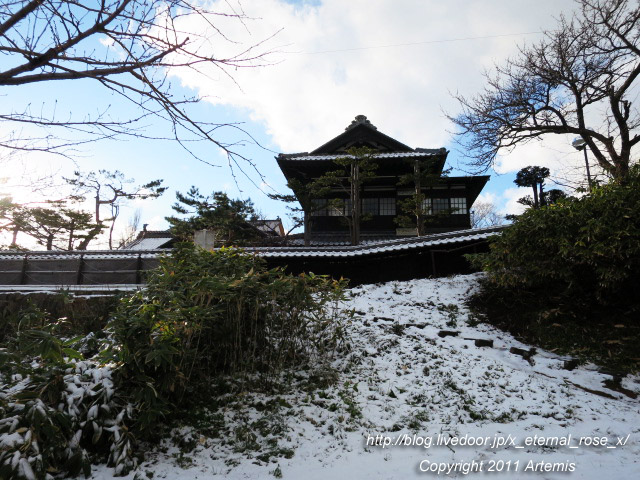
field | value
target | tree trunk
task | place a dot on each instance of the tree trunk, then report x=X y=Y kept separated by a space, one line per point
x=71 y=230
x=50 y=241
x=97 y=208
x=355 y=203
x=14 y=239
x=621 y=173
x=418 y=185
x=307 y=228
x=535 y=195
x=113 y=222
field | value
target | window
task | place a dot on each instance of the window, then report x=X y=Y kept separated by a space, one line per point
x=459 y=206
x=440 y=205
x=387 y=206
x=319 y=208
x=370 y=205
x=426 y=206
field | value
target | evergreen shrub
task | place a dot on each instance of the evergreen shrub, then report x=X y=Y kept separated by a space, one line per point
x=59 y=412
x=576 y=261
x=587 y=247
x=69 y=402
x=204 y=314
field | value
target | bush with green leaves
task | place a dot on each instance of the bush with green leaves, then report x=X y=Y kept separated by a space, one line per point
x=586 y=247
x=58 y=411
x=204 y=314
x=575 y=261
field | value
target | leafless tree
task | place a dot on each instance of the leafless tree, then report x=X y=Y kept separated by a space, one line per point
x=583 y=71
x=485 y=214
x=128 y=47
x=131 y=231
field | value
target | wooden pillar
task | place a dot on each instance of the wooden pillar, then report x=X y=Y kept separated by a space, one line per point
x=23 y=272
x=79 y=279
x=138 y=269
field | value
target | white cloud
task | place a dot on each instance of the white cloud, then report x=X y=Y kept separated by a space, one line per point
x=308 y=98
x=487 y=197
x=506 y=202
x=510 y=198
x=106 y=41
x=156 y=222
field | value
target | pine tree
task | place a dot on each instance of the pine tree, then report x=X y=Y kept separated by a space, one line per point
x=228 y=218
x=354 y=169
x=111 y=190
x=59 y=226
x=533 y=177
x=415 y=211
x=305 y=196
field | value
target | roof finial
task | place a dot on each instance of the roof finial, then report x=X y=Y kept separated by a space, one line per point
x=360 y=120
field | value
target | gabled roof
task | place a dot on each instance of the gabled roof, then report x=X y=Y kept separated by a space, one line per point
x=270 y=227
x=150 y=240
x=150 y=243
x=361 y=132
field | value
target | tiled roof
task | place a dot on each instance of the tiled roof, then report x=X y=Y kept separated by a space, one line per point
x=417 y=153
x=148 y=243
x=385 y=246
x=149 y=240
x=87 y=254
x=154 y=234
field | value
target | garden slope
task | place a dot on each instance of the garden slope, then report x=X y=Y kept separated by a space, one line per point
x=402 y=377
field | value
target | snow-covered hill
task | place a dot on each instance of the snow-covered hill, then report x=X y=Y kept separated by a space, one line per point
x=404 y=384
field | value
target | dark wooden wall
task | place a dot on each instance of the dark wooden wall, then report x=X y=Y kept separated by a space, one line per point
x=74 y=269
x=397 y=265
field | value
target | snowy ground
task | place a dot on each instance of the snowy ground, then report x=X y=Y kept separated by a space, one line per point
x=404 y=382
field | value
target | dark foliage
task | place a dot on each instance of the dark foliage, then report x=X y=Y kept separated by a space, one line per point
x=58 y=411
x=230 y=219
x=82 y=315
x=573 y=263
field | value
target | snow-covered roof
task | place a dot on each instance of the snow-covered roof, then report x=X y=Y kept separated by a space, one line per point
x=385 y=246
x=149 y=243
x=270 y=227
x=297 y=157
x=372 y=248
x=76 y=289
x=75 y=255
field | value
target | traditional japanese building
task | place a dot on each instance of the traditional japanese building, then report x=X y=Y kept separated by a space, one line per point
x=389 y=251
x=447 y=200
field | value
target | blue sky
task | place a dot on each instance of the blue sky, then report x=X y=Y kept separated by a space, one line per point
x=396 y=62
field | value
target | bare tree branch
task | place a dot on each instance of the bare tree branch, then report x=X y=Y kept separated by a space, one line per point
x=128 y=47
x=586 y=68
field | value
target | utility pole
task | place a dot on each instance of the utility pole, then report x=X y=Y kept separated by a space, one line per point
x=580 y=144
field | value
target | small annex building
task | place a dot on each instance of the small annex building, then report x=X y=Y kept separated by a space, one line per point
x=447 y=200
